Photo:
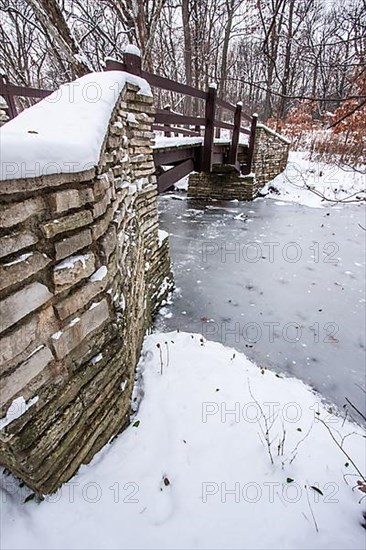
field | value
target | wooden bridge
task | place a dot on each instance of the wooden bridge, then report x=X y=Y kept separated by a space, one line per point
x=184 y=143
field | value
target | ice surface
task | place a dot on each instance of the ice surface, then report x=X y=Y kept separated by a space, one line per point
x=253 y=295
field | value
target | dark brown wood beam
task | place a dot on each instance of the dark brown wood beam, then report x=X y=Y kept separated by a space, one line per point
x=169 y=178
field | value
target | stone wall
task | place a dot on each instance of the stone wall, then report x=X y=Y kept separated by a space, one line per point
x=3 y=116
x=270 y=154
x=225 y=183
x=82 y=273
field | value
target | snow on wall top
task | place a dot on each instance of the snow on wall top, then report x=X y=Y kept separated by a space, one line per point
x=270 y=131
x=64 y=132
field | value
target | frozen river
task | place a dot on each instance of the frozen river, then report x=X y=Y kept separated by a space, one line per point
x=282 y=282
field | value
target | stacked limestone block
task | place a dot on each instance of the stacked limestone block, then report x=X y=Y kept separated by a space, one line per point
x=82 y=273
x=224 y=183
x=3 y=111
x=3 y=116
x=270 y=154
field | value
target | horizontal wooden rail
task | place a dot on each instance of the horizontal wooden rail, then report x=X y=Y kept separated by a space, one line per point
x=158 y=81
x=22 y=91
x=166 y=117
x=167 y=179
x=225 y=105
x=176 y=130
x=246 y=116
x=166 y=157
x=172 y=86
x=229 y=126
x=226 y=125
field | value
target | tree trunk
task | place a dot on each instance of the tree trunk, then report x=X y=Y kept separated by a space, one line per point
x=51 y=18
x=187 y=53
x=286 y=72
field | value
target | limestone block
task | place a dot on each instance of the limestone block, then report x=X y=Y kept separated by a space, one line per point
x=27 y=185
x=18 y=305
x=101 y=226
x=9 y=244
x=16 y=382
x=114 y=142
x=12 y=214
x=21 y=268
x=24 y=338
x=68 y=223
x=72 y=270
x=82 y=296
x=142 y=108
x=71 y=198
x=144 y=117
x=140 y=142
x=69 y=245
x=108 y=242
x=146 y=99
x=99 y=208
x=102 y=183
x=64 y=342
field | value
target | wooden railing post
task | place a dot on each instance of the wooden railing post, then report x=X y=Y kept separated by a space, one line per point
x=210 y=128
x=132 y=59
x=167 y=132
x=12 y=110
x=251 y=142
x=236 y=134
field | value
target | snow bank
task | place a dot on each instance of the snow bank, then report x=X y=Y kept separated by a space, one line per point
x=64 y=132
x=306 y=182
x=194 y=469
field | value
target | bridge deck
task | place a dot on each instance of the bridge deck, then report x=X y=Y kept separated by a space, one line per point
x=184 y=155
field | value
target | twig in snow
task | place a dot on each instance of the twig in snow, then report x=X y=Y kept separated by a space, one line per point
x=356 y=409
x=161 y=358
x=311 y=510
x=281 y=442
x=167 y=354
x=294 y=452
x=268 y=427
x=340 y=446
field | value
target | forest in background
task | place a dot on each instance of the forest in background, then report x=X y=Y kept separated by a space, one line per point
x=299 y=63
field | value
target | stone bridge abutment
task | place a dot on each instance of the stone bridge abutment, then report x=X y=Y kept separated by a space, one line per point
x=82 y=272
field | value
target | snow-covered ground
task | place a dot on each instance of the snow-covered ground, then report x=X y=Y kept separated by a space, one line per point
x=194 y=470
x=308 y=182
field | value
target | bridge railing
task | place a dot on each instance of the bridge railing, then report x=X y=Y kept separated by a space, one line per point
x=10 y=91
x=166 y=120
x=169 y=122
